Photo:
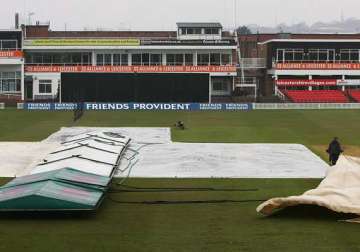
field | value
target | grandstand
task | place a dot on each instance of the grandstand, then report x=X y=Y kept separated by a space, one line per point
x=316 y=96
x=354 y=94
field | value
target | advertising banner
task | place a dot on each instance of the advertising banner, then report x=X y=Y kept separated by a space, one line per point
x=318 y=66
x=82 y=42
x=348 y=82
x=141 y=106
x=11 y=54
x=130 y=69
x=296 y=82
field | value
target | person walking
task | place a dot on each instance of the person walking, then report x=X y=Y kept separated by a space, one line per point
x=334 y=150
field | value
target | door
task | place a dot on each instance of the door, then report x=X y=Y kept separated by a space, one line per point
x=29 y=90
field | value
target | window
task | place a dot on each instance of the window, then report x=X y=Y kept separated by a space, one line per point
x=136 y=59
x=145 y=59
x=175 y=59
x=107 y=59
x=86 y=59
x=99 y=59
x=117 y=59
x=349 y=55
x=212 y=31
x=215 y=59
x=124 y=59
x=203 y=59
x=225 y=59
x=10 y=82
x=190 y=31
x=45 y=86
x=8 y=45
x=220 y=86
x=280 y=55
x=298 y=55
x=188 y=59
x=76 y=58
x=155 y=59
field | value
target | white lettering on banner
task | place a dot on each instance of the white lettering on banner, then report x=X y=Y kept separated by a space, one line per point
x=212 y=106
x=131 y=69
x=234 y=106
x=295 y=82
x=348 y=82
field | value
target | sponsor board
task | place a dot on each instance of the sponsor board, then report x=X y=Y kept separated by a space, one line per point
x=295 y=82
x=51 y=106
x=141 y=106
x=130 y=69
x=82 y=42
x=324 y=82
x=348 y=82
x=318 y=66
x=11 y=54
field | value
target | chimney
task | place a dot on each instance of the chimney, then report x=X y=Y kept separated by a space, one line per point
x=17 y=21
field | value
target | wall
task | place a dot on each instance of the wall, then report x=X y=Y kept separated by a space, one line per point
x=54 y=77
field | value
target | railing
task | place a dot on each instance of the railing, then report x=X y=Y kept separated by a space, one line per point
x=279 y=94
x=246 y=82
x=274 y=63
x=58 y=64
x=133 y=64
x=252 y=63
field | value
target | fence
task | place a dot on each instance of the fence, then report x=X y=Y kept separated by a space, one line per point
x=274 y=106
x=187 y=106
x=2 y=105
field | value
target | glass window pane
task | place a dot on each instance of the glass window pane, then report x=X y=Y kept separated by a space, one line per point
x=170 y=59
x=215 y=59
x=203 y=59
x=145 y=59
x=225 y=59
x=100 y=59
x=179 y=59
x=124 y=59
x=117 y=59
x=107 y=59
x=188 y=59
x=354 y=55
x=76 y=58
x=136 y=59
x=156 y=59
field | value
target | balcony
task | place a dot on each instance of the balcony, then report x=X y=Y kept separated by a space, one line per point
x=252 y=63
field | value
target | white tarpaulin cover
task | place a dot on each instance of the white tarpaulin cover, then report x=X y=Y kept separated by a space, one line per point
x=339 y=191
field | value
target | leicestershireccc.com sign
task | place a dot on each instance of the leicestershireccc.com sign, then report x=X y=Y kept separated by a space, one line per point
x=140 y=106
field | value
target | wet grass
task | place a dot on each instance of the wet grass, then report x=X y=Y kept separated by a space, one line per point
x=125 y=223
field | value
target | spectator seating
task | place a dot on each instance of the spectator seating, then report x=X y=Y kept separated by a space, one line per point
x=316 y=96
x=355 y=94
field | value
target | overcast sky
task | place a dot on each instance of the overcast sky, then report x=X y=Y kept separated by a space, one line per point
x=163 y=14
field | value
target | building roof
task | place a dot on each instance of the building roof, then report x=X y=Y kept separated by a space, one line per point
x=199 y=25
x=263 y=37
x=312 y=41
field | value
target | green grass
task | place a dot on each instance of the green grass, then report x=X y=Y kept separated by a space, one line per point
x=185 y=227
x=191 y=227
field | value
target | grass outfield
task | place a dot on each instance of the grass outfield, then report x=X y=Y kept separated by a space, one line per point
x=191 y=227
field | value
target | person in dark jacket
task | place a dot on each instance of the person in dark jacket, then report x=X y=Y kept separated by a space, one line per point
x=334 y=151
x=180 y=125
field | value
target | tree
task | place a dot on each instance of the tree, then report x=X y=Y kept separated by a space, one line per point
x=244 y=30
